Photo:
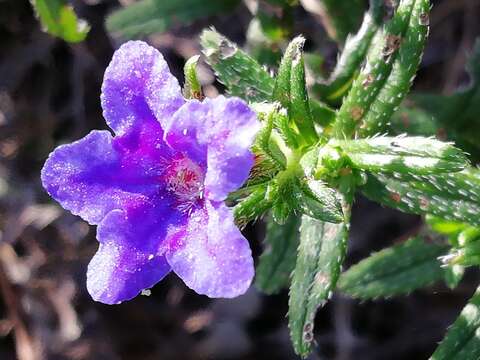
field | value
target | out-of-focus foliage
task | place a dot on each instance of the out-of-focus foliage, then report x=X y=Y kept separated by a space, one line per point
x=340 y=17
x=151 y=16
x=453 y=117
x=338 y=84
x=269 y=30
x=59 y=19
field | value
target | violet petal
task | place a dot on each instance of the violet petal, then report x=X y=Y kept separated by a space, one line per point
x=137 y=79
x=181 y=133
x=210 y=254
x=90 y=177
x=131 y=253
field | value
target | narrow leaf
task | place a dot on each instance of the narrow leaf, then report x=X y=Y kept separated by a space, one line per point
x=445 y=227
x=317 y=201
x=402 y=74
x=356 y=47
x=153 y=16
x=454 y=196
x=252 y=207
x=414 y=155
x=416 y=122
x=463 y=338
x=241 y=74
x=58 y=19
x=282 y=191
x=322 y=114
x=278 y=259
x=385 y=70
x=453 y=275
x=290 y=89
x=464 y=255
x=281 y=92
x=299 y=101
x=397 y=270
x=320 y=256
x=264 y=142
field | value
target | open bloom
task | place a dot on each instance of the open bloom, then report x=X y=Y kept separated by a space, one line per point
x=156 y=189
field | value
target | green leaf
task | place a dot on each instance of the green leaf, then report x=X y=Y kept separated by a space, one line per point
x=322 y=114
x=59 y=19
x=152 y=16
x=299 y=109
x=465 y=241
x=414 y=155
x=315 y=63
x=279 y=130
x=445 y=227
x=468 y=235
x=397 y=270
x=278 y=259
x=467 y=254
x=454 y=117
x=192 y=88
x=454 y=197
x=338 y=84
x=252 y=207
x=281 y=91
x=282 y=124
x=281 y=191
x=415 y=121
x=318 y=201
x=461 y=106
x=453 y=275
x=402 y=74
x=242 y=75
x=320 y=255
x=340 y=17
x=290 y=89
x=264 y=141
x=263 y=170
x=385 y=79
x=463 y=338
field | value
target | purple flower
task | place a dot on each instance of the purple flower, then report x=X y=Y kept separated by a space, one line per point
x=156 y=189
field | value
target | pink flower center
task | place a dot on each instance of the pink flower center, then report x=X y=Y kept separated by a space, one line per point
x=185 y=179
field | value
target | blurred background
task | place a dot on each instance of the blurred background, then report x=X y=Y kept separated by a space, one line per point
x=49 y=94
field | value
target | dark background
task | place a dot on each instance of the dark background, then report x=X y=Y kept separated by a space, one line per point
x=49 y=94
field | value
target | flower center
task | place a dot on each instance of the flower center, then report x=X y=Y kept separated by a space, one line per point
x=185 y=178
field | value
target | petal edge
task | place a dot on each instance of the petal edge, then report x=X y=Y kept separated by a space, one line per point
x=211 y=255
